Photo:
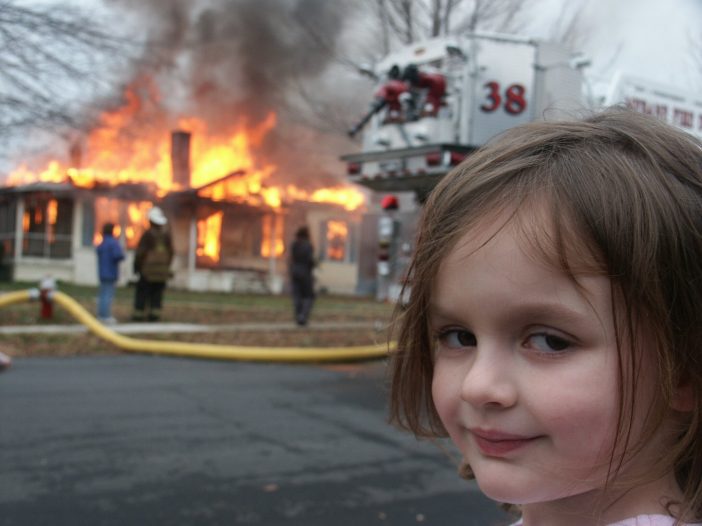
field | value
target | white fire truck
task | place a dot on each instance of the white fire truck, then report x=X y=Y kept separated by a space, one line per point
x=438 y=100
x=435 y=102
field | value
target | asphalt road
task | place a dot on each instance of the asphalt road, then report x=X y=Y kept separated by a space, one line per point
x=142 y=440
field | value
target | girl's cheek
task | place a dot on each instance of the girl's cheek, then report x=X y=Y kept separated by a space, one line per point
x=446 y=404
x=438 y=400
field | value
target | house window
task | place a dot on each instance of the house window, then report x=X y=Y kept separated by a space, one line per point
x=209 y=236
x=88 y=226
x=337 y=245
x=272 y=241
x=241 y=236
x=8 y=215
x=47 y=226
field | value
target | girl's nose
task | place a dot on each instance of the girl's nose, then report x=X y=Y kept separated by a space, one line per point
x=489 y=381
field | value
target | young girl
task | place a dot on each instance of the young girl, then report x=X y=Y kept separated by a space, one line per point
x=554 y=329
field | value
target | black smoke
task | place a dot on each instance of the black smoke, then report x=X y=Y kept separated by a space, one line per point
x=225 y=60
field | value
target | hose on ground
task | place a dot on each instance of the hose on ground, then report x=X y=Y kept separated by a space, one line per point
x=201 y=350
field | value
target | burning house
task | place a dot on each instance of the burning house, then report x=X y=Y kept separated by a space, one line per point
x=242 y=172
x=230 y=228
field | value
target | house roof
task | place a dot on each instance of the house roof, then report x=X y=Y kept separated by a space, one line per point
x=126 y=191
x=38 y=187
x=191 y=197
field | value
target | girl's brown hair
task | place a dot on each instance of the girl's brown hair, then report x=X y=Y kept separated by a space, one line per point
x=625 y=187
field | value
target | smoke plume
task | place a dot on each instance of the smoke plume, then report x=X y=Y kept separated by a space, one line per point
x=223 y=61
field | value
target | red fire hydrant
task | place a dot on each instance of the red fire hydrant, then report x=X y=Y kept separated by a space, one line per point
x=47 y=286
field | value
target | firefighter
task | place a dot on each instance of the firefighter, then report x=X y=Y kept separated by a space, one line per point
x=152 y=262
x=428 y=90
x=392 y=95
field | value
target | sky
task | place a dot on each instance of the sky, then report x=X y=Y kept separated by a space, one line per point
x=652 y=39
x=648 y=38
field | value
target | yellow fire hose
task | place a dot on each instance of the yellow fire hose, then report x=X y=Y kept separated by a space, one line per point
x=200 y=350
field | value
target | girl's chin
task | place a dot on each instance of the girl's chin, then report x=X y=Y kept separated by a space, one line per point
x=522 y=495
x=502 y=489
x=508 y=487
x=505 y=496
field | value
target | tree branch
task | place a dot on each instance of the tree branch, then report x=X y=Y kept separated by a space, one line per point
x=50 y=54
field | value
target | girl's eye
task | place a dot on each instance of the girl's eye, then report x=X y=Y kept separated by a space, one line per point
x=548 y=343
x=455 y=338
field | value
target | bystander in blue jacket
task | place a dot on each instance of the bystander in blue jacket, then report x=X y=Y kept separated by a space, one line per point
x=109 y=254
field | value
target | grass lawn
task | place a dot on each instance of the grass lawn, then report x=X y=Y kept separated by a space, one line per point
x=206 y=308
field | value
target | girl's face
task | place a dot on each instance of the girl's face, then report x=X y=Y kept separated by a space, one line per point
x=526 y=375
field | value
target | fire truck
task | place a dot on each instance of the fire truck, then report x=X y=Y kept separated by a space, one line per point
x=434 y=103
x=438 y=100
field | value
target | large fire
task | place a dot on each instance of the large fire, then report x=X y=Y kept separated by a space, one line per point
x=113 y=154
x=208 y=231
x=337 y=233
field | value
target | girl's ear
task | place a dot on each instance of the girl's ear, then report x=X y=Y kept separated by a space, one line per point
x=684 y=398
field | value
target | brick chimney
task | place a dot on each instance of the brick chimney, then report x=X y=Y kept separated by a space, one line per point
x=180 y=158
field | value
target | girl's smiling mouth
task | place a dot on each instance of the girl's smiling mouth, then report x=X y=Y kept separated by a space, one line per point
x=494 y=443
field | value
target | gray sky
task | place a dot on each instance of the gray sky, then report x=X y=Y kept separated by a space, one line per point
x=647 y=38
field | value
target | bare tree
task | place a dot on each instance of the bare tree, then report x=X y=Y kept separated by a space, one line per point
x=571 y=27
x=50 y=56
x=407 y=21
x=387 y=25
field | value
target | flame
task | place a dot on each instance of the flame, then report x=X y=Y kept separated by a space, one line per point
x=52 y=211
x=114 y=155
x=272 y=236
x=208 y=236
x=119 y=151
x=248 y=188
x=109 y=210
x=223 y=167
x=337 y=233
x=51 y=215
x=348 y=197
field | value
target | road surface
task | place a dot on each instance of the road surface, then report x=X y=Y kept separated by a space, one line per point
x=145 y=440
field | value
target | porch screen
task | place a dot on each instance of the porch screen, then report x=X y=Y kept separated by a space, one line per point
x=47 y=225
x=8 y=213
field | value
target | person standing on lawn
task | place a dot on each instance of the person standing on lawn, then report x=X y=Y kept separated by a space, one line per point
x=300 y=265
x=152 y=262
x=109 y=255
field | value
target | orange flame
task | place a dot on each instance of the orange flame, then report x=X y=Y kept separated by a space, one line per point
x=52 y=211
x=272 y=236
x=108 y=210
x=337 y=232
x=51 y=215
x=208 y=236
x=119 y=151
x=115 y=153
